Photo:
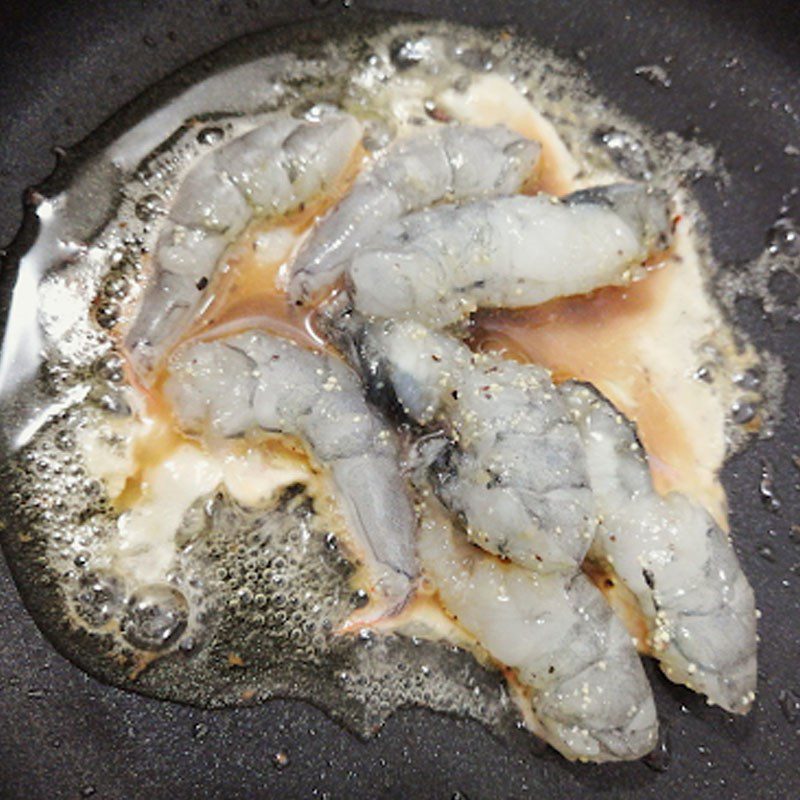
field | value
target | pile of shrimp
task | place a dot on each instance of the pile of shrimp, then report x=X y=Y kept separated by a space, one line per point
x=471 y=473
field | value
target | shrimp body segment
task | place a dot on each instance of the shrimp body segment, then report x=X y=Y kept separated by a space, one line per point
x=254 y=380
x=677 y=561
x=454 y=162
x=438 y=266
x=268 y=171
x=514 y=470
x=585 y=682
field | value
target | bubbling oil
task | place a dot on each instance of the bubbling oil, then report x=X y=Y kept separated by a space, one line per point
x=220 y=575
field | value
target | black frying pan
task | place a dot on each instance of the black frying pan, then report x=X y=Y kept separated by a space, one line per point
x=66 y=66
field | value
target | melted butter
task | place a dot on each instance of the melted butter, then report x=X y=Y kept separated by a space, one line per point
x=493 y=100
x=107 y=446
x=154 y=440
x=145 y=547
x=153 y=474
x=254 y=471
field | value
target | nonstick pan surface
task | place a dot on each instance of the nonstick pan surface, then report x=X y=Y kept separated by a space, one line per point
x=735 y=69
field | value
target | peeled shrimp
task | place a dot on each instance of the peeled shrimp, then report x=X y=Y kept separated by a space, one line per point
x=438 y=266
x=256 y=381
x=456 y=162
x=676 y=560
x=515 y=469
x=270 y=170
x=585 y=682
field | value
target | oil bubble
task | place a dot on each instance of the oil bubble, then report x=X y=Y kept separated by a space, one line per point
x=766 y=487
x=155 y=616
x=107 y=315
x=767 y=553
x=749 y=379
x=199 y=731
x=149 y=207
x=784 y=238
x=742 y=412
x=98 y=598
x=211 y=135
x=110 y=367
x=475 y=58
x=116 y=286
x=406 y=53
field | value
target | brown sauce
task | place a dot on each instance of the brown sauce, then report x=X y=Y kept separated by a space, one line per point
x=593 y=338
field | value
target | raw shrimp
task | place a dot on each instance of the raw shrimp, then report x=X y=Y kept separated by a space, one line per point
x=269 y=170
x=438 y=266
x=254 y=380
x=457 y=162
x=677 y=561
x=515 y=469
x=585 y=682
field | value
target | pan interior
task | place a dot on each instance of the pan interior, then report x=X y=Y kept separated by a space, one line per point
x=254 y=631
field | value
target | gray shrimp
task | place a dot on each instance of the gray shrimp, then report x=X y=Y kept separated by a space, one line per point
x=585 y=681
x=514 y=469
x=439 y=265
x=675 y=559
x=268 y=171
x=254 y=380
x=456 y=162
